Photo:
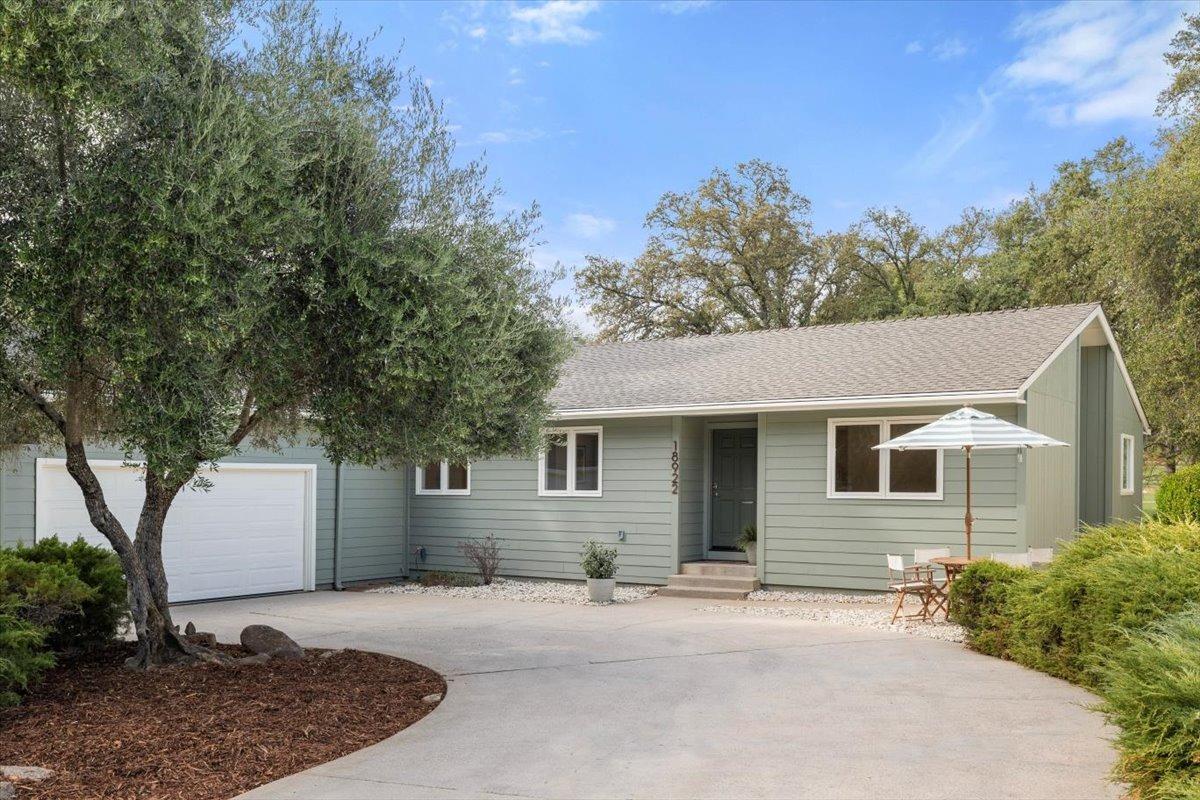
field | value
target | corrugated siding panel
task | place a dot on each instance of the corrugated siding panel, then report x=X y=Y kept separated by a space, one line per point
x=691 y=489
x=1051 y=496
x=542 y=536
x=812 y=540
x=373 y=527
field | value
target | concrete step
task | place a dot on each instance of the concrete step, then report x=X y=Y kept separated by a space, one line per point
x=730 y=568
x=702 y=592
x=714 y=582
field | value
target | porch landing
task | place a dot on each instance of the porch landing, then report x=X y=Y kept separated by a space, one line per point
x=712 y=580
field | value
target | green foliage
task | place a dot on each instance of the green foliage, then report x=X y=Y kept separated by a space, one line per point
x=748 y=536
x=1151 y=691
x=980 y=596
x=103 y=613
x=438 y=578
x=1063 y=619
x=599 y=561
x=44 y=593
x=23 y=657
x=1178 y=496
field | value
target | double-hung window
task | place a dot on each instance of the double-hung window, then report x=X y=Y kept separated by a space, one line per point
x=572 y=462
x=855 y=470
x=1126 y=464
x=442 y=477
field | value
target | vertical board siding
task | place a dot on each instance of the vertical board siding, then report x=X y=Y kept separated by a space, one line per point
x=691 y=490
x=543 y=536
x=1051 y=494
x=812 y=540
x=1093 y=434
x=1125 y=420
x=372 y=528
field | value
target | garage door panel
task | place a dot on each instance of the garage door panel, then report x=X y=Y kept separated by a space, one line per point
x=245 y=535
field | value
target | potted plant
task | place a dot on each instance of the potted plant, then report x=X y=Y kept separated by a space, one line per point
x=600 y=566
x=748 y=541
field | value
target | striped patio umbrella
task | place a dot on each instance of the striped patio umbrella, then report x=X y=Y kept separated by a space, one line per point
x=969 y=429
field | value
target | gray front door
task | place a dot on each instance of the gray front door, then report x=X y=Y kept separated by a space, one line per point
x=734 y=489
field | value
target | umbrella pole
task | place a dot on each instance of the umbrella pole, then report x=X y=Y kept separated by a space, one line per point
x=968 y=520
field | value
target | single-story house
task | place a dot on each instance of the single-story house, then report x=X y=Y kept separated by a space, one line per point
x=668 y=448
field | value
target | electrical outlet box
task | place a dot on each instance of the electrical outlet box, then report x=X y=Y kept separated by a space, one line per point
x=620 y=536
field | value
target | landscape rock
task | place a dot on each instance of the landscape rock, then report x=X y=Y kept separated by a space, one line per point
x=432 y=698
x=201 y=638
x=190 y=630
x=260 y=639
x=331 y=653
x=261 y=658
x=7 y=791
x=32 y=774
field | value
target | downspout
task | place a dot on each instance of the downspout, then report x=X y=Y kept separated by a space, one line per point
x=337 y=527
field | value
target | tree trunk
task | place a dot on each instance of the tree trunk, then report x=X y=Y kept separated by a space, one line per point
x=159 y=642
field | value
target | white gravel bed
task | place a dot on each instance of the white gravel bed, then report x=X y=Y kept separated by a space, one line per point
x=779 y=595
x=561 y=592
x=859 y=618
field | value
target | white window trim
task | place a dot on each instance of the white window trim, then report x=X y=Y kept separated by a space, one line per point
x=419 y=483
x=885 y=461
x=571 y=491
x=1126 y=464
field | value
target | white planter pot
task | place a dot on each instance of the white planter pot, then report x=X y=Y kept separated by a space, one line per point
x=752 y=553
x=600 y=590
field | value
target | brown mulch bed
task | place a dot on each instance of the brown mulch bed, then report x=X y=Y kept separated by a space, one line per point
x=205 y=732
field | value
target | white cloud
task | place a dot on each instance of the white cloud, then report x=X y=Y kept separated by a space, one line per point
x=477 y=32
x=552 y=22
x=678 y=7
x=512 y=136
x=913 y=47
x=589 y=226
x=972 y=119
x=514 y=77
x=1094 y=62
x=949 y=49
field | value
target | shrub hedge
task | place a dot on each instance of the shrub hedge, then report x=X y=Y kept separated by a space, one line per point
x=54 y=597
x=1151 y=690
x=1178 y=496
x=980 y=597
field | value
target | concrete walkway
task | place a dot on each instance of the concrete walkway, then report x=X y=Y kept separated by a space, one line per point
x=659 y=699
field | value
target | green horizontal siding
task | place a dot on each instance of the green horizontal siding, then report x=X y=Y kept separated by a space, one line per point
x=691 y=489
x=373 y=544
x=542 y=536
x=812 y=540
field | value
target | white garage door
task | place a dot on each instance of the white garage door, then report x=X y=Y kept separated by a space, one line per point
x=251 y=533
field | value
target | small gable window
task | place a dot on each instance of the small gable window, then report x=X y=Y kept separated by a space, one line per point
x=1127 y=464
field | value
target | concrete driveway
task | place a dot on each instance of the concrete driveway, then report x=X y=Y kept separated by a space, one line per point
x=661 y=699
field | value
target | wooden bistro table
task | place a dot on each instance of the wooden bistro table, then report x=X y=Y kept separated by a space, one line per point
x=954 y=565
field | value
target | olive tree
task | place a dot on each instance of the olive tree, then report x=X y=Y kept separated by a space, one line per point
x=206 y=244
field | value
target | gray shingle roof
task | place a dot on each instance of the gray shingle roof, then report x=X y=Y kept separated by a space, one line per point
x=994 y=351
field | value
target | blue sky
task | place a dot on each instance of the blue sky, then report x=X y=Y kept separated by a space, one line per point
x=594 y=109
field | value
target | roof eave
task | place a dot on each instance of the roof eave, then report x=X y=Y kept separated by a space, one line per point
x=806 y=404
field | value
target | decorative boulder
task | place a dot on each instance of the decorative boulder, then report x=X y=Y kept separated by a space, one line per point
x=265 y=640
x=32 y=774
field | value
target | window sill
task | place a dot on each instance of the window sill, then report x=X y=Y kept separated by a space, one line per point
x=547 y=493
x=445 y=493
x=880 y=496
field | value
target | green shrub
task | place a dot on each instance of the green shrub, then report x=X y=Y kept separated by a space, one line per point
x=23 y=656
x=438 y=578
x=980 y=597
x=748 y=536
x=599 y=561
x=41 y=594
x=1151 y=690
x=1178 y=496
x=1122 y=577
x=103 y=614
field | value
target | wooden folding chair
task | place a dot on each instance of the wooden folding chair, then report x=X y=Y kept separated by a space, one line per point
x=940 y=597
x=916 y=580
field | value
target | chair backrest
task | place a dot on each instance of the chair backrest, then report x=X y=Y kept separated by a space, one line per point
x=1041 y=555
x=1014 y=559
x=924 y=556
x=896 y=563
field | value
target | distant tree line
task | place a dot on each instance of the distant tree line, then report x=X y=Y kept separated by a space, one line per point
x=739 y=252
